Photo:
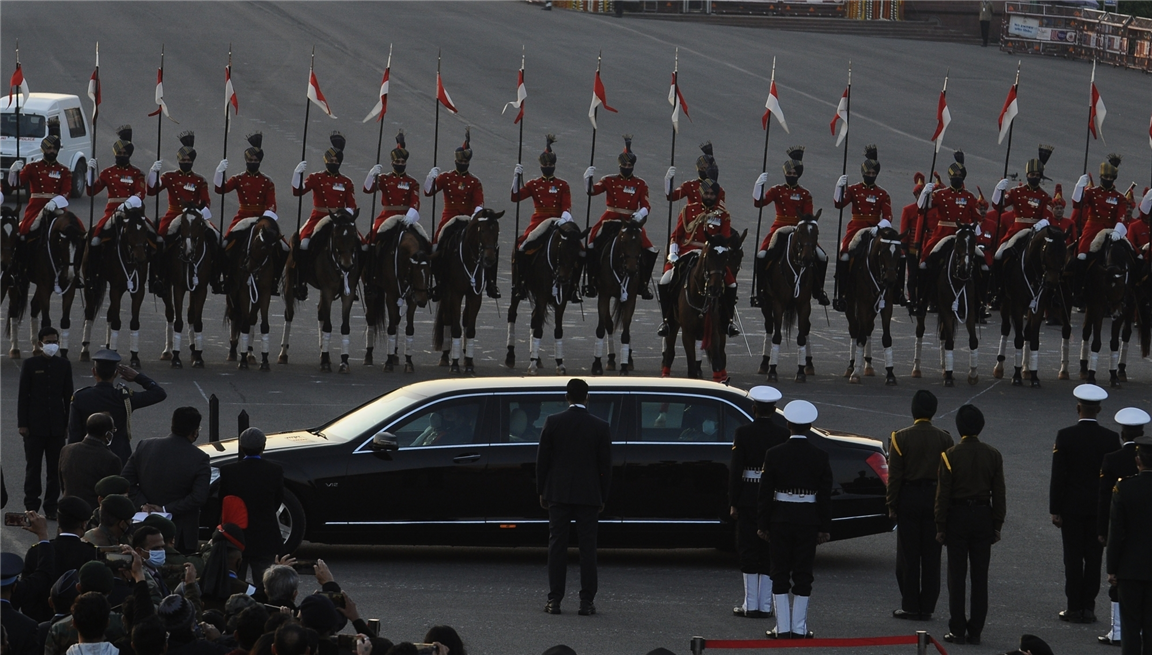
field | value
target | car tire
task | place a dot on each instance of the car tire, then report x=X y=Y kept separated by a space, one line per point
x=78 y=178
x=292 y=521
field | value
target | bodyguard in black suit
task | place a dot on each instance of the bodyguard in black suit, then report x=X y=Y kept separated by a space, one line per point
x=795 y=515
x=1118 y=465
x=104 y=396
x=260 y=484
x=1129 y=561
x=66 y=552
x=20 y=629
x=41 y=417
x=573 y=471
x=1073 y=500
x=749 y=445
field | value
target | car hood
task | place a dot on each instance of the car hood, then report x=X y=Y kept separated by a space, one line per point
x=277 y=442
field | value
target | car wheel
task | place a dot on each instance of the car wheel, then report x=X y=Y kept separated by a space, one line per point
x=290 y=517
x=78 y=178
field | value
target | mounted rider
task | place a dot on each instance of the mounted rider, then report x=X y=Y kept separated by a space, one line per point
x=790 y=201
x=122 y=180
x=626 y=197
x=1101 y=208
x=871 y=207
x=706 y=169
x=46 y=179
x=399 y=197
x=954 y=205
x=551 y=204
x=1138 y=227
x=1031 y=207
x=256 y=193
x=185 y=189
x=697 y=222
x=463 y=196
x=331 y=192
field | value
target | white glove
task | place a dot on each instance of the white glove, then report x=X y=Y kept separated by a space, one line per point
x=14 y=173
x=838 y=192
x=674 y=249
x=222 y=166
x=92 y=165
x=133 y=202
x=998 y=192
x=206 y=214
x=1079 y=190
x=639 y=214
x=16 y=166
x=58 y=202
x=271 y=214
x=589 y=173
x=90 y=176
x=1040 y=225
x=884 y=224
x=519 y=170
x=925 y=199
x=843 y=181
x=671 y=173
x=566 y=216
x=673 y=257
x=433 y=173
x=1118 y=232
x=477 y=210
x=1146 y=203
x=411 y=216
x=157 y=166
x=668 y=180
x=298 y=174
x=300 y=168
x=758 y=188
x=376 y=170
x=517 y=173
x=370 y=179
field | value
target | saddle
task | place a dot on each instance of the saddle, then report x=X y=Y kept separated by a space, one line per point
x=681 y=269
x=777 y=244
x=455 y=226
x=538 y=238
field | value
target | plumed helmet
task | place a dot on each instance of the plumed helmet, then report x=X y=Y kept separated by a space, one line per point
x=256 y=152
x=335 y=154
x=871 y=165
x=957 y=170
x=548 y=158
x=1045 y=152
x=187 y=140
x=50 y=141
x=627 y=157
x=464 y=152
x=123 y=146
x=1111 y=166
x=917 y=183
x=707 y=159
x=400 y=152
x=795 y=164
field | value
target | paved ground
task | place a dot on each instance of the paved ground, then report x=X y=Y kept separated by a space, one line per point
x=648 y=598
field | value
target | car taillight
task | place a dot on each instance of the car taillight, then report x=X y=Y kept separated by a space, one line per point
x=879 y=463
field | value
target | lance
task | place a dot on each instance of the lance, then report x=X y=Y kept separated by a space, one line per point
x=753 y=298
x=95 y=114
x=227 y=124
x=931 y=177
x=843 y=171
x=1007 y=156
x=304 y=142
x=436 y=134
x=519 y=156
x=380 y=138
x=159 y=134
x=591 y=162
x=18 y=94
x=1091 y=108
x=675 y=108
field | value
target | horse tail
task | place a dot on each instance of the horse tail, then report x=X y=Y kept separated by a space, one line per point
x=614 y=316
x=438 y=328
x=788 y=319
x=18 y=302
x=96 y=301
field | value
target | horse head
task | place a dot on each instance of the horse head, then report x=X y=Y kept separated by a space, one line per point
x=629 y=247
x=736 y=256
x=713 y=265
x=192 y=231
x=886 y=253
x=1049 y=248
x=963 y=259
x=565 y=258
x=413 y=253
x=135 y=235
x=1118 y=262
x=65 y=240
x=262 y=244
x=805 y=240
x=344 y=242
x=9 y=223
x=484 y=231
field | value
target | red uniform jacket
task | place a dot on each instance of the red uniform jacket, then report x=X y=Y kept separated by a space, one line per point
x=1138 y=235
x=789 y=202
x=1100 y=209
x=44 y=181
x=623 y=197
x=328 y=192
x=550 y=198
x=121 y=182
x=691 y=191
x=692 y=231
x=183 y=188
x=870 y=205
x=256 y=192
x=463 y=193
x=1029 y=207
x=952 y=208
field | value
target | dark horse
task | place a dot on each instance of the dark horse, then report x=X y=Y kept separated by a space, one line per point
x=253 y=271
x=951 y=281
x=550 y=270
x=52 y=258
x=871 y=282
x=1032 y=269
x=699 y=310
x=396 y=285
x=1110 y=292
x=619 y=282
x=13 y=279
x=333 y=269
x=190 y=265
x=785 y=291
x=122 y=267
x=469 y=246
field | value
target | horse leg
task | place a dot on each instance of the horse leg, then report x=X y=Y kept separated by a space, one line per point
x=558 y=335
x=626 y=364
x=390 y=339
x=857 y=363
x=534 y=345
x=345 y=330
x=409 y=338
x=471 y=343
x=1021 y=357
x=261 y=310
x=510 y=358
x=803 y=359
x=852 y=335
x=1122 y=362
x=14 y=337
x=973 y=346
x=777 y=340
x=172 y=333
x=1114 y=353
x=1033 y=325
x=66 y=319
x=1094 y=356
x=886 y=341
x=947 y=349
x=598 y=346
x=869 y=371
x=668 y=350
x=324 y=330
x=690 y=346
x=1085 y=336
x=137 y=299
x=1005 y=328
x=112 y=329
x=918 y=347
x=1064 y=348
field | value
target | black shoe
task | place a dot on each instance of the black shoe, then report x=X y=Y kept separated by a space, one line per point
x=1071 y=616
x=750 y=614
x=493 y=291
x=646 y=292
x=1088 y=616
x=772 y=634
x=589 y=291
x=662 y=331
x=924 y=616
x=974 y=639
x=901 y=614
x=807 y=635
x=733 y=331
x=821 y=297
x=1105 y=640
x=955 y=639
x=552 y=607
x=586 y=609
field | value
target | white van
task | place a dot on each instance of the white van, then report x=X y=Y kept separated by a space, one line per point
x=46 y=113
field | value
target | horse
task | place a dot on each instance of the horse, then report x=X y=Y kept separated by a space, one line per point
x=871 y=282
x=618 y=281
x=470 y=246
x=122 y=267
x=699 y=309
x=784 y=281
x=13 y=279
x=1032 y=268
x=1110 y=293
x=189 y=267
x=253 y=271
x=52 y=257
x=951 y=276
x=550 y=272
x=395 y=286
x=333 y=269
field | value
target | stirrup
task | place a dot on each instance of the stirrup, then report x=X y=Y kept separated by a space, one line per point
x=646 y=292
x=662 y=331
x=733 y=331
x=822 y=297
x=493 y=291
x=589 y=291
x=840 y=305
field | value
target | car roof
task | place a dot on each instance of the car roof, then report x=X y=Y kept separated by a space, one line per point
x=40 y=102
x=618 y=383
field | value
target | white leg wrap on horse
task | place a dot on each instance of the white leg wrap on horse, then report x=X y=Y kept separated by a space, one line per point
x=408 y=341
x=1063 y=353
x=767 y=343
x=471 y=347
x=86 y=335
x=345 y=342
x=64 y=338
x=775 y=356
x=868 y=349
x=1018 y=359
x=176 y=338
x=612 y=344
x=1034 y=361
x=1093 y=359
x=942 y=356
x=134 y=341
x=113 y=339
x=973 y=358
x=369 y=337
x=1123 y=347
x=168 y=337
x=325 y=341
x=391 y=347
x=244 y=340
x=264 y=339
x=949 y=360
x=801 y=351
x=34 y=331
x=456 y=349
x=699 y=348
x=534 y=349
x=859 y=357
x=1113 y=360
x=107 y=333
x=198 y=337
x=1083 y=349
x=888 y=357
x=1003 y=346
x=511 y=334
x=320 y=335
x=598 y=349
x=287 y=333
x=560 y=349
x=625 y=352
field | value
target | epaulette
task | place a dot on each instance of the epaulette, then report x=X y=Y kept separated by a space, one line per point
x=944 y=456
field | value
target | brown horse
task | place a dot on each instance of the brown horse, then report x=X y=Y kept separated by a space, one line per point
x=52 y=258
x=253 y=272
x=1110 y=292
x=785 y=282
x=333 y=269
x=122 y=267
x=699 y=310
x=469 y=246
x=1032 y=267
x=872 y=279
x=619 y=282
x=551 y=272
x=396 y=283
x=951 y=281
x=190 y=263
x=13 y=279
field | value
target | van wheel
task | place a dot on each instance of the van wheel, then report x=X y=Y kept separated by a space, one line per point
x=78 y=178
x=292 y=522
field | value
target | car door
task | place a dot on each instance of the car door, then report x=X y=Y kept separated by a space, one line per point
x=437 y=472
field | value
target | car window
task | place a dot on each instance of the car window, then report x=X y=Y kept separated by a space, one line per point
x=687 y=419
x=733 y=418
x=447 y=423
x=31 y=125
x=75 y=120
x=523 y=416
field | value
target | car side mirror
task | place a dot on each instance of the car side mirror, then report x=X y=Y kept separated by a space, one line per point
x=384 y=442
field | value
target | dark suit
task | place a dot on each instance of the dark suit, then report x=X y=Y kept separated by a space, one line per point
x=749 y=445
x=42 y=407
x=573 y=471
x=21 y=630
x=1117 y=466
x=83 y=464
x=173 y=473
x=64 y=553
x=106 y=397
x=1129 y=543
x=1074 y=496
x=796 y=467
x=260 y=484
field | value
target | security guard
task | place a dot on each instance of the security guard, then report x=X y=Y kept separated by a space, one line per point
x=1118 y=465
x=794 y=516
x=1129 y=543
x=913 y=462
x=790 y=201
x=970 y=510
x=749 y=446
x=118 y=401
x=706 y=169
x=1073 y=501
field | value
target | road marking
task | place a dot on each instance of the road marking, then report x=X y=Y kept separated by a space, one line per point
x=202 y=394
x=969 y=401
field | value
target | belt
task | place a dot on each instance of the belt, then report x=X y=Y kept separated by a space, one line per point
x=859 y=217
x=751 y=475
x=394 y=208
x=1028 y=221
x=328 y=209
x=621 y=210
x=787 y=218
x=250 y=208
x=946 y=224
x=117 y=200
x=785 y=497
x=44 y=195
x=971 y=502
x=926 y=482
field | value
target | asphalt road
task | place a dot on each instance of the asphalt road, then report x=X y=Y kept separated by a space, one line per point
x=647 y=598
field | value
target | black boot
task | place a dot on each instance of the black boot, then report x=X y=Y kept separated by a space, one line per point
x=730 y=311
x=518 y=290
x=901 y=273
x=299 y=261
x=647 y=261
x=1079 y=270
x=818 y=288
x=490 y=278
x=592 y=265
x=839 y=303
x=664 y=291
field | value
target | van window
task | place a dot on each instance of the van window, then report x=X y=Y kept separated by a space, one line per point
x=75 y=118
x=31 y=125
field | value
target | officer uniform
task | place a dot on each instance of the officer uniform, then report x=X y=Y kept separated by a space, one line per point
x=1129 y=544
x=1030 y=205
x=790 y=200
x=955 y=206
x=794 y=513
x=626 y=197
x=118 y=401
x=749 y=446
x=970 y=511
x=689 y=190
x=255 y=190
x=463 y=192
x=1118 y=465
x=1073 y=501
x=913 y=463
x=870 y=203
x=45 y=180
x=1100 y=207
x=551 y=196
x=1138 y=228
x=330 y=190
x=121 y=180
x=184 y=187
x=399 y=192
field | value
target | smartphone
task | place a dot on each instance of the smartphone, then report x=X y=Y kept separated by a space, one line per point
x=304 y=565
x=19 y=519
x=425 y=649
x=346 y=642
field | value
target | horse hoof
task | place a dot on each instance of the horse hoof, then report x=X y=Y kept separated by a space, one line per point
x=264 y=366
x=848 y=371
x=801 y=377
x=1121 y=373
x=597 y=368
x=531 y=368
x=389 y=366
x=1063 y=375
x=134 y=362
x=85 y=356
x=764 y=362
x=624 y=370
x=809 y=370
x=949 y=382
x=869 y=372
x=1017 y=382
x=611 y=365
x=973 y=379
x=368 y=359
x=772 y=376
x=1035 y=383
x=890 y=381
x=176 y=363
x=325 y=367
x=560 y=370
x=165 y=356
x=282 y=359
x=454 y=368
x=470 y=370
x=232 y=357
x=243 y=365
x=1084 y=375
x=444 y=362
x=916 y=373
x=665 y=372
x=998 y=371
x=409 y=368
x=854 y=379
x=510 y=360
x=343 y=367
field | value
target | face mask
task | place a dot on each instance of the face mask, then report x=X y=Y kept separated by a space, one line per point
x=1033 y=182
x=547 y=171
x=791 y=180
x=708 y=427
x=49 y=157
x=869 y=180
x=461 y=168
x=157 y=557
x=50 y=349
x=956 y=182
x=332 y=168
x=1107 y=182
x=186 y=166
x=399 y=168
x=626 y=172
x=123 y=161
x=252 y=166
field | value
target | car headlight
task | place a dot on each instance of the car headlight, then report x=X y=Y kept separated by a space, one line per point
x=215 y=474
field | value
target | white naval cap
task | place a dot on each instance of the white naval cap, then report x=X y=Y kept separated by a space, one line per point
x=1132 y=416
x=800 y=412
x=1089 y=393
x=764 y=394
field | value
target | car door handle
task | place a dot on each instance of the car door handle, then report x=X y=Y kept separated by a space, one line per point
x=465 y=459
